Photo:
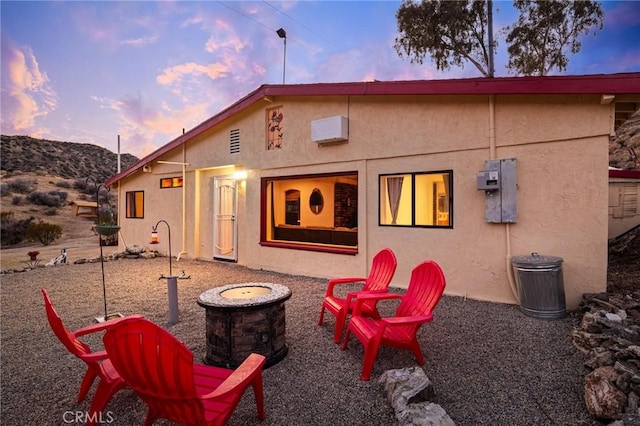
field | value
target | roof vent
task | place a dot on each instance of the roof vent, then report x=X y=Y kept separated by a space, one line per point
x=330 y=129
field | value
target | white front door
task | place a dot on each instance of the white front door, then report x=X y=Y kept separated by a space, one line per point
x=225 y=229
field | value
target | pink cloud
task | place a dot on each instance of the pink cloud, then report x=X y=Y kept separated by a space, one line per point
x=27 y=94
x=174 y=75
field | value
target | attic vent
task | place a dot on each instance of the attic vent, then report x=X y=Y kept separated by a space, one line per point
x=234 y=141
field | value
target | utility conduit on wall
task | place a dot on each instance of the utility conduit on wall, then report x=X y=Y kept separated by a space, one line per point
x=493 y=156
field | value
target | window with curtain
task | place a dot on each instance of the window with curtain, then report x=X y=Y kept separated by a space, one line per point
x=419 y=199
x=134 y=204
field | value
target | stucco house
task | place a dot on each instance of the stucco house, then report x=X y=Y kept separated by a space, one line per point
x=314 y=179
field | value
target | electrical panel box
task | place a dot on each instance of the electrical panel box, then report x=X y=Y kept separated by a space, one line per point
x=498 y=180
x=489 y=180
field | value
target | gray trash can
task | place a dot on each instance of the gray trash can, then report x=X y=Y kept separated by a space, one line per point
x=540 y=285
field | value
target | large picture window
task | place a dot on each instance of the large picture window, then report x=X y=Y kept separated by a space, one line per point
x=135 y=204
x=423 y=199
x=311 y=212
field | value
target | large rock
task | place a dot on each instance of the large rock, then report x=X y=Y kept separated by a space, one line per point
x=409 y=391
x=603 y=399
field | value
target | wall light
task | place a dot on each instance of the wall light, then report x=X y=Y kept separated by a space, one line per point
x=240 y=175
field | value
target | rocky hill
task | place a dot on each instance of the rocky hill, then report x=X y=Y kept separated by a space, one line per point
x=624 y=148
x=67 y=160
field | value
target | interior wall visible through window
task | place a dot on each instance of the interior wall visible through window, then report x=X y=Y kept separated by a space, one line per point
x=291 y=214
x=423 y=199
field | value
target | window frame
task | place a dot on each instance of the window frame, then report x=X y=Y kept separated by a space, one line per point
x=317 y=247
x=413 y=175
x=171 y=182
x=128 y=198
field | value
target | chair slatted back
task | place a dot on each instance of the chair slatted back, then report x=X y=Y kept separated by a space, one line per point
x=67 y=338
x=383 y=266
x=157 y=366
x=424 y=291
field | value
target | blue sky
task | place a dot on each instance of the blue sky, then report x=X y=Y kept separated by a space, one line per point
x=90 y=71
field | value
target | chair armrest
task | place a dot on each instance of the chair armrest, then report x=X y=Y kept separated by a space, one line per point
x=337 y=281
x=372 y=295
x=95 y=356
x=418 y=319
x=240 y=378
x=101 y=326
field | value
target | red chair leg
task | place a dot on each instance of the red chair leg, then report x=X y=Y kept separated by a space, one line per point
x=87 y=381
x=341 y=319
x=345 y=342
x=258 y=393
x=370 y=354
x=321 y=315
x=100 y=400
x=417 y=352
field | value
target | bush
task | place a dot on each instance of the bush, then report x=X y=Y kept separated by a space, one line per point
x=63 y=184
x=4 y=189
x=44 y=232
x=22 y=186
x=49 y=199
x=52 y=211
x=12 y=230
x=17 y=200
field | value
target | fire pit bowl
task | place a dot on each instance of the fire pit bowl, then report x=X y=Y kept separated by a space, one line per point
x=242 y=319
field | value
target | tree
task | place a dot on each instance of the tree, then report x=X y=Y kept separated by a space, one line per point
x=449 y=31
x=544 y=29
x=452 y=32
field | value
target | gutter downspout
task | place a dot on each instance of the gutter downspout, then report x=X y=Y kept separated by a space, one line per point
x=492 y=155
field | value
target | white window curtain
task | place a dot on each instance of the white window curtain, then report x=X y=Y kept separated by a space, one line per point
x=394 y=190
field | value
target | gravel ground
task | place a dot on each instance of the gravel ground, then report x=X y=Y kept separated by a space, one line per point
x=490 y=364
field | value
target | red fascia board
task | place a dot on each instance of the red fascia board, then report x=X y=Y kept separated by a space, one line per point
x=610 y=84
x=628 y=174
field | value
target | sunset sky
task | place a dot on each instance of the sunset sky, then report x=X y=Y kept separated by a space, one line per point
x=145 y=70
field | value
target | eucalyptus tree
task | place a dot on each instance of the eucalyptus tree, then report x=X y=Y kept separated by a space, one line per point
x=454 y=32
x=545 y=30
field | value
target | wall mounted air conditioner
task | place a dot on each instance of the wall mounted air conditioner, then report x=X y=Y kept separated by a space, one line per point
x=330 y=129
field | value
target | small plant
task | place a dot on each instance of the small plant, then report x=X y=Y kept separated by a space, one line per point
x=44 y=232
x=17 y=200
x=52 y=211
x=33 y=254
x=63 y=184
x=22 y=186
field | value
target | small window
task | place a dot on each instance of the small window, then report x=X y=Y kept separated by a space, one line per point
x=422 y=199
x=172 y=182
x=135 y=204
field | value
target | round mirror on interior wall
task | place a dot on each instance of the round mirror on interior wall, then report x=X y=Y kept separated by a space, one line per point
x=316 y=201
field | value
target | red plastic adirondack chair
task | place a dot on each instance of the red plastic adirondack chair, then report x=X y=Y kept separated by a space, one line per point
x=415 y=308
x=383 y=267
x=98 y=364
x=160 y=369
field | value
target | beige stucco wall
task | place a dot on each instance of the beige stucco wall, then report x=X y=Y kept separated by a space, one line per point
x=560 y=144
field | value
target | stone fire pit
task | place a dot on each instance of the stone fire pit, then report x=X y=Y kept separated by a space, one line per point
x=242 y=319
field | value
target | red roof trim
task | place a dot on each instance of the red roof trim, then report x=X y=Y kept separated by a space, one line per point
x=611 y=84
x=629 y=174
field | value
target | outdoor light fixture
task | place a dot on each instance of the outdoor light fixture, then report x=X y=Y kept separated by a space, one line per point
x=283 y=35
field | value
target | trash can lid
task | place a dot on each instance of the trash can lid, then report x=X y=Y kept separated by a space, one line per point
x=535 y=260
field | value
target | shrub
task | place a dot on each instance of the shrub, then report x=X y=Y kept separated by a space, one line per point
x=17 y=200
x=63 y=184
x=49 y=199
x=22 y=186
x=52 y=211
x=4 y=189
x=12 y=230
x=44 y=232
